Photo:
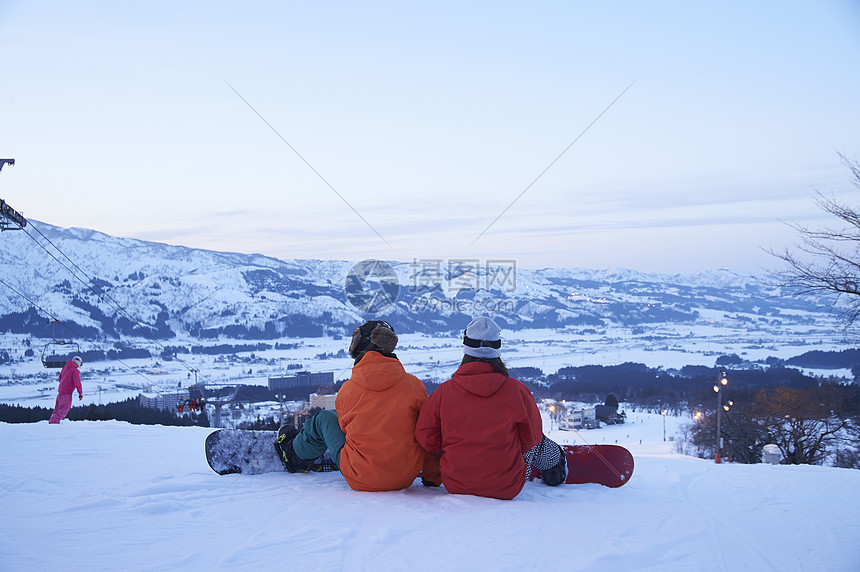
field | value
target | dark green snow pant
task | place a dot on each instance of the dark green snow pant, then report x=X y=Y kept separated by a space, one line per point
x=319 y=433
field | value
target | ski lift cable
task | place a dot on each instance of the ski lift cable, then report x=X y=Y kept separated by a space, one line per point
x=89 y=283
x=117 y=307
x=74 y=331
x=80 y=335
x=103 y=295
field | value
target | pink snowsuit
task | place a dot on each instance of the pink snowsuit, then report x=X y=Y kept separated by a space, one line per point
x=70 y=380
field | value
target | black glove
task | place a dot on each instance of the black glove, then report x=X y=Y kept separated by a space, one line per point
x=427 y=483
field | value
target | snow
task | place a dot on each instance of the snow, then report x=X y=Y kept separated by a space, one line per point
x=110 y=495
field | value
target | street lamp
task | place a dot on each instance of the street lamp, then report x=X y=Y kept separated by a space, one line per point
x=280 y=409
x=722 y=381
x=663 y=413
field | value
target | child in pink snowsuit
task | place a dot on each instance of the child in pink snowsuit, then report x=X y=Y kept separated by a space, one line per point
x=70 y=380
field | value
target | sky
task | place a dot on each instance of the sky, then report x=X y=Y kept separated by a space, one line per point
x=658 y=136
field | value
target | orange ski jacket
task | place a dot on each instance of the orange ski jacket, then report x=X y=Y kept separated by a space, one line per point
x=377 y=408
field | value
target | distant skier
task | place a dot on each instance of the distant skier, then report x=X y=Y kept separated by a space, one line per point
x=486 y=424
x=70 y=380
x=372 y=436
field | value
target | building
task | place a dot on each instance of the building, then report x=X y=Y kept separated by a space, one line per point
x=572 y=420
x=163 y=401
x=150 y=400
x=582 y=419
x=324 y=401
x=609 y=414
x=302 y=379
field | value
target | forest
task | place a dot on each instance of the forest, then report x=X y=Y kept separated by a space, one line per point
x=129 y=410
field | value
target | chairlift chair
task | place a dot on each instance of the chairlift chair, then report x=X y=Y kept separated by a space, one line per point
x=56 y=353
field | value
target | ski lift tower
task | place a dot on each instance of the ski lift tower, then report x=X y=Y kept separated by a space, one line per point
x=219 y=403
x=10 y=219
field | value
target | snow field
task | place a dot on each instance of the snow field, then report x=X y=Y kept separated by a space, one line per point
x=110 y=495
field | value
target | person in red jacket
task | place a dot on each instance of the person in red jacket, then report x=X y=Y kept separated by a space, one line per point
x=70 y=380
x=487 y=424
x=372 y=436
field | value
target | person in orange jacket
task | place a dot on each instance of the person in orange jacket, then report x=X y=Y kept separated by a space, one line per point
x=372 y=436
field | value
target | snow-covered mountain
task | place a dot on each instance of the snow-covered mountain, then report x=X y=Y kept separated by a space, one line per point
x=109 y=287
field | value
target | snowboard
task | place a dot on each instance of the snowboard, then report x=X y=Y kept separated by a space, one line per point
x=247 y=452
x=607 y=465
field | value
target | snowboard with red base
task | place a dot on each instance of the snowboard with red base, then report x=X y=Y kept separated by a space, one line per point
x=607 y=465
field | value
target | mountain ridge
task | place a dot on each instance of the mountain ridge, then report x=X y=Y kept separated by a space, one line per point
x=126 y=284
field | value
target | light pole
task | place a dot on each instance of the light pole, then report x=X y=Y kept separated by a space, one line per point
x=281 y=408
x=663 y=413
x=722 y=381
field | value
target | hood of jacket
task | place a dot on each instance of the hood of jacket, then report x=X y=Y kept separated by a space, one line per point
x=479 y=378
x=377 y=372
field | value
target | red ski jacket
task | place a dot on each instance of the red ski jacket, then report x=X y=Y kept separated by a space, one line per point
x=482 y=422
x=70 y=379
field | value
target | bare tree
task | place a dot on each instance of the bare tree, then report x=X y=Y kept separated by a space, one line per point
x=806 y=424
x=827 y=260
x=800 y=422
x=847 y=451
x=744 y=436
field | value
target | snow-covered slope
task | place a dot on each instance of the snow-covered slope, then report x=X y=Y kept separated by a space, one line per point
x=113 y=284
x=114 y=496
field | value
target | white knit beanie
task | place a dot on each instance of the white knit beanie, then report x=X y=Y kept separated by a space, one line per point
x=482 y=339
